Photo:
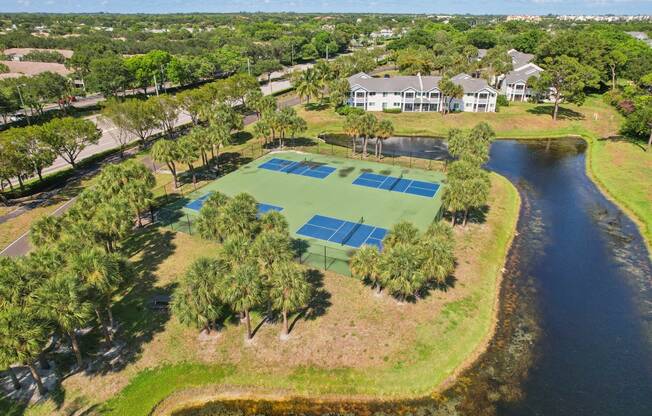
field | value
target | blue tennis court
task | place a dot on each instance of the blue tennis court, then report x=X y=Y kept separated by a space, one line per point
x=394 y=184
x=199 y=202
x=304 y=168
x=343 y=232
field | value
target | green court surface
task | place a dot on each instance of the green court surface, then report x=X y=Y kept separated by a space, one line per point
x=302 y=196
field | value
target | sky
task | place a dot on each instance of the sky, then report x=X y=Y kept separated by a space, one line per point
x=329 y=6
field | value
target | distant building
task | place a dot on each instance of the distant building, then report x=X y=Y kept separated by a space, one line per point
x=524 y=18
x=17 y=54
x=383 y=33
x=419 y=94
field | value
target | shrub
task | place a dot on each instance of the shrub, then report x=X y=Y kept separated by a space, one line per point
x=345 y=110
x=392 y=110
x=502 y=101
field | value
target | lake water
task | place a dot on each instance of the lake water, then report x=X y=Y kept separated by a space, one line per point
x=575 y=331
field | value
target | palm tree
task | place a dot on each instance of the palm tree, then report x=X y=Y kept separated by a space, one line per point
x=385 y=131
x=368 y=127
x=324 y=73
x=101 y=274
x=188 y=154
x=111 y=222
x=402 y=232
x=364 y=266
x=437 y=251
x=195 y=301
x=239 y=215
x=22 y=339
x=61 y=300
x=270 y=247
x=289 y=290
x=353 y=127
x=220 y=136
x=236 y=250
x=200 y=136
x=167 y=151
x=132 y=180
x=307 y=83
x=262 y=131
x=400 y=270
x=243 y=290
x=297 y=126
x=45 y=231
x=209 y=223
x=274 y=221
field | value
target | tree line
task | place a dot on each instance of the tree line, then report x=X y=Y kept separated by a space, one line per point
x=75 y=275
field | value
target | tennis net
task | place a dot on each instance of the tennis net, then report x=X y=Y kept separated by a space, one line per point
x=353 y=230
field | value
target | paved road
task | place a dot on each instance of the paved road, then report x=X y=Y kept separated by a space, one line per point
x=21 y=245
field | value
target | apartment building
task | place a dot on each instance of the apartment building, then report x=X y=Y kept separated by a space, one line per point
x=514 y=84
x=419 y=93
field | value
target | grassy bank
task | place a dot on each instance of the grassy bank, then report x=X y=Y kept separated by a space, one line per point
x=519 y=120
x=355 y=344
x=624 y=170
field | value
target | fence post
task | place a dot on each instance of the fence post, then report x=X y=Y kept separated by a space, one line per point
x=410 y=158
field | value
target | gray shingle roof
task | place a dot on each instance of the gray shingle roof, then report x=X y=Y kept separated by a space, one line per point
x=522 y=75
x=519 y=58
x=418 y=83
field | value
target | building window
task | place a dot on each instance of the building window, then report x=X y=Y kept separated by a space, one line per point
x=397 y=104
x=384 y=106
x=434 y=95
x=371 y=104
x=359 y=94
x=359 y=104
x=397 y=94
x=409 y=95
x=371 y=94
x=385 y=94
x=483 y=96
x=469 y=104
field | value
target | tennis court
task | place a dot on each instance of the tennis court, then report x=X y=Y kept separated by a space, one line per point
x=343 y=232
x=397 y=184
x=324 y=208
x=305 y=168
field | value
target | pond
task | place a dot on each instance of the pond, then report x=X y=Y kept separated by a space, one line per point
x=575 y=329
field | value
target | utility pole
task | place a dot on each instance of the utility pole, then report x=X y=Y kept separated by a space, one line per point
x=156 y=85
x=163 y=79
x=249 y=66
x=327 y=52
x=22 y=104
